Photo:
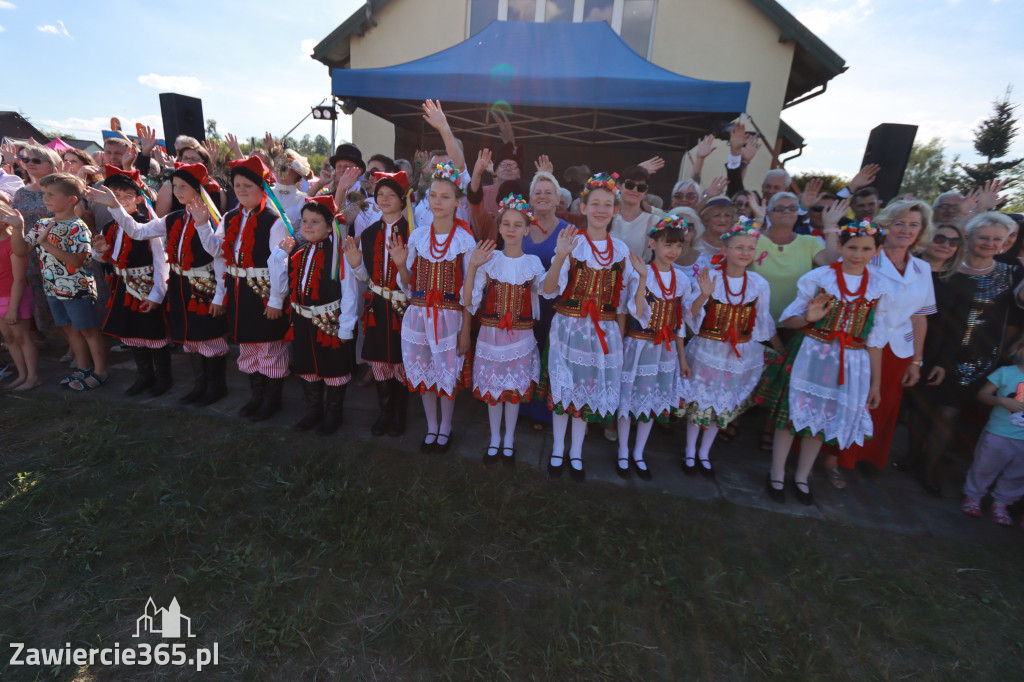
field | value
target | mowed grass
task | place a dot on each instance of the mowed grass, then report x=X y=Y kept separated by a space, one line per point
x=313 y=559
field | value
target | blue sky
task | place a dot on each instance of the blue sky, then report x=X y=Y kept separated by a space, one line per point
x=934 y=63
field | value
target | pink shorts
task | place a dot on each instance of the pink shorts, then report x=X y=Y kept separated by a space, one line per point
x=24 y=309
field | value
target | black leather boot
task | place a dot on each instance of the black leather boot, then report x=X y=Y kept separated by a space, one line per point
x=333 y=407
x=313 y=392
x=162 y=371
x=143 y=371
x=399 y=407
x=257 y=386
x=385 y=400
x=216 y=381
x=198 y=378
x=271 y=401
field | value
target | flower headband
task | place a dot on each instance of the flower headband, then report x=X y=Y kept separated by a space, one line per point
x=863 y=228
x=515 y=202
x=447 y=171
x=744 y=227
x=601 y=181
x=670 y=222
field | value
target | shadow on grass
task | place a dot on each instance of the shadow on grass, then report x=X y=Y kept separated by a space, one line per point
x=314 y=559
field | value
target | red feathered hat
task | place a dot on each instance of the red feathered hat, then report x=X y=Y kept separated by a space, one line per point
x=252 y=168
x=115 y=177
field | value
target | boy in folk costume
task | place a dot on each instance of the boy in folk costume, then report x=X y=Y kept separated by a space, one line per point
x=254 y=301
x=195 y=289
x=323 y=296
x=435 y=329
x=732 y=318
x=501 y=287
x=653 y=357
x=587 y=276
x=385 y=301
x=135 y=311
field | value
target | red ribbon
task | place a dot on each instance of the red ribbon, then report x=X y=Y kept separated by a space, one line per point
x=433 y=299
x=664 y=336
x=590 y=309
x=844 y=338
x=506 y=322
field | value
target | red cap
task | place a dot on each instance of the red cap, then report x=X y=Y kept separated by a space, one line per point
x=400 y=178
x=196 y=170
x=133 y=175
x=253 y=168
x=325 y=200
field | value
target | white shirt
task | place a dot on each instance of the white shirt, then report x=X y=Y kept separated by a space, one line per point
x=9 y=184
x=912 y=294
x=635 y=233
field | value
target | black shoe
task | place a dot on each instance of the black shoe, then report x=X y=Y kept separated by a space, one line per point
x=257 y=386
x=805 y=498
x=578 y=475
x=690 y=469
x=706 y=469
x=399 y=406
x=623 y=472
x=492 y=458
x=556 y=471
x=384 y=404
x=777 y=494
x=271 y=404
x=508 y=456
x=144 y=371
x=334 y=405
x=428 y=447
x=162 y=371
x=643 y=474
x=313 y=397
x=198 y=378
x=441 y=448
x=216 y=381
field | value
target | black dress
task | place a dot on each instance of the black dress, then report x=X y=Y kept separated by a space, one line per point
x=382 y=323
x=191 y=284
x=245 y=304
x=135 y=271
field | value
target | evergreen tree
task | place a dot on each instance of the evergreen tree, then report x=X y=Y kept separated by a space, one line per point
x=992 y=140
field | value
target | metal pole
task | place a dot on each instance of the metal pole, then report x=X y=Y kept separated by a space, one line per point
x=333 y=144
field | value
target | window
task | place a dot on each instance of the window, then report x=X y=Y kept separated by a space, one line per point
x=633 y=20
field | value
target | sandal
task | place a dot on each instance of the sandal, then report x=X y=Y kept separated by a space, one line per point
x=835 y=477
x=75 y=374
x=971 y=507
x=729 y=433
x=1000 y=515
x=88 y=381
x=766 y=441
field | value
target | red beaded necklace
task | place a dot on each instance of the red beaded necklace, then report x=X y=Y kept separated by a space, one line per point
x=603 y=258
x=439 y=252
x=666 y=292
x=841 y=281
x=729 y=294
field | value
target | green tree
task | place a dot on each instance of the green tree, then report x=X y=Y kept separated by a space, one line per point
x=992 y=140
x=321 y=146
x=211 y=130
x=832 y=182
x=928 y=173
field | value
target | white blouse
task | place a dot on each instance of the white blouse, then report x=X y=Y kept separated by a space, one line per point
x=912 y=294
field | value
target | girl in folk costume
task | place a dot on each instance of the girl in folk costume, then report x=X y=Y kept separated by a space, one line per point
x=195 y=294
x=501 y=287
x=829 y=378
x=435 y=329
x=385 y=301
x=653 y=358
x=324 y=295
x=135 y=311
x=254 y=301
x=588 y=274
x=732 y=318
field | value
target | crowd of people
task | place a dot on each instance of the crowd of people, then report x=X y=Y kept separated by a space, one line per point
x=575 y=302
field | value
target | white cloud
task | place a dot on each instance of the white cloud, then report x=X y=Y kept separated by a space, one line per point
x=60 y=30
x=835 y=14
x=6 y=5
x=188 y=85
x=2 y=29
x=307 y=46
x=91 y=128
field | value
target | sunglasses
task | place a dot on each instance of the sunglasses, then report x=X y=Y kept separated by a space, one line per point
x=631 y=185
x=943 y=239
x=27 y=159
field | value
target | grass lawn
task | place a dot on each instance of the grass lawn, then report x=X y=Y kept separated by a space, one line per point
x=314 y=559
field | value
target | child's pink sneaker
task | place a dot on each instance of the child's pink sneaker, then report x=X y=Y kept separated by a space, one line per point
x=1000 y=515
x=971 y=507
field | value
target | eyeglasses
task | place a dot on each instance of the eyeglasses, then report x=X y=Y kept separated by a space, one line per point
x=29 y=159
x=943 y=239
x=509 y=165
x=688 y=195
x=785 y=209
x=631 y=185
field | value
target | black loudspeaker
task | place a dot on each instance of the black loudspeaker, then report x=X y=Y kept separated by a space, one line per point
x=182 y=115
x=889 y=146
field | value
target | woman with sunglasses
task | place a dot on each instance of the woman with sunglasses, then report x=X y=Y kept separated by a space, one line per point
x=37 y=162
x=632 y=224
x=907 y=225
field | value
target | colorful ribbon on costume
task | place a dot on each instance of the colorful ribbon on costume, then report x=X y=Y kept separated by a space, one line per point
x=280 y=210
x=339 y=251
x=409 y=196
x=590 y=309
x=210 y=208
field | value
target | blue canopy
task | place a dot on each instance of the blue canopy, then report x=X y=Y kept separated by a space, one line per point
x=569 y=83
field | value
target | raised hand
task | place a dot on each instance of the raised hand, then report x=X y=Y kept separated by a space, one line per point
x=705 y=282
x=420 y=158
x=812 y=192
x=483 y=252
x=345 y=181
x=566 y=241
x=8 y=151
x=864 y=177
x=212 y=148
x=147 y=139
x=233 y=148
x=639 y=265
x=504 y=127
x=706 y=146
x=653 y=164
x=716 y=187
x=756 y=207
x=434 y=116
x=737 y=138
x=833 y=213
x=197 y=209
x=398 y=250
x=286 y=244
x=969 y=204
x=12 y=217
x=819 y=306
x=164 y=159
x=750 y=148
x=543 y=164
x=352 y=253
x=102 y=196
x=128 y=160
x=989 y=196
x=483 y=162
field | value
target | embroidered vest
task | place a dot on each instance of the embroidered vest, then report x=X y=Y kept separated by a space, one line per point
x=602 y=287
x=507 y=306
x=436 y=284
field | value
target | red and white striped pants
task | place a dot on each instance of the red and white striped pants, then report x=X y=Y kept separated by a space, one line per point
x=330 y=381
x=144 y=343
x=212 y=348
x=382 y=371
x=269 y=359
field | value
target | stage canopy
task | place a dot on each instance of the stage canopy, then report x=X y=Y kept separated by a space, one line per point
x=561 y=83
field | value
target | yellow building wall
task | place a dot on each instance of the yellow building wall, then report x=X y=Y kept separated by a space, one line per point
x=406 y=30
x=727 y=40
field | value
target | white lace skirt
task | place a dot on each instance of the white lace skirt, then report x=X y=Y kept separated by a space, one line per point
x=650 y=379
x=506 y=365
x=431 y=364
x=581 y=375
x=719 y=380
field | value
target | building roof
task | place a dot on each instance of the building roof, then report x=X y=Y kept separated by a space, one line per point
x=814 y=62
x=14 y=125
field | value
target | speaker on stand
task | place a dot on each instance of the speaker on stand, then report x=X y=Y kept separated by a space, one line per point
x=183 y=115
x=889 y=146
